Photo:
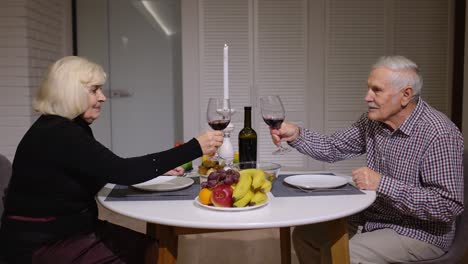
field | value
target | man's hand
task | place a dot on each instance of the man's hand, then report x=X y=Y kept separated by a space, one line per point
x=287 y=132
x=366 y=179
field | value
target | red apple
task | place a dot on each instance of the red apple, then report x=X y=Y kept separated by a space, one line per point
x=222 y=195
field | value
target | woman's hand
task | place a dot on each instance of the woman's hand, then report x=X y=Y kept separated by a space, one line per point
x=287 y=132
x=179 y=171
x=210 y=141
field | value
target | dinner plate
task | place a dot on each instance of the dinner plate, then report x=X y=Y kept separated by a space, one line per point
x=165 y=183
x=231 y=209
x=315 y=181
x=194 y=174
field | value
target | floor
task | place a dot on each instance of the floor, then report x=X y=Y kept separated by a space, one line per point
x=246 y=247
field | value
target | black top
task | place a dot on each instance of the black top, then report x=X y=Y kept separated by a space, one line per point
x=58 y=169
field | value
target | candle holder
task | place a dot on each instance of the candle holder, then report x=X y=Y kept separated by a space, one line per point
x=226 y=150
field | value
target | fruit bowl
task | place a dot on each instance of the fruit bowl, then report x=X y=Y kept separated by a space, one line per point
x=271 y=169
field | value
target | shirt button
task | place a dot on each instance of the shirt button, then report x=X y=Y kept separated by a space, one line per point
x=154 y=159
x=156 y=170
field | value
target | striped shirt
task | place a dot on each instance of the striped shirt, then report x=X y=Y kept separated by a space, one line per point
x=421 y=189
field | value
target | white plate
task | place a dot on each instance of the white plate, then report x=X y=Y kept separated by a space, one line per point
x=316 y=181
x=165 y=183
x=231 y=209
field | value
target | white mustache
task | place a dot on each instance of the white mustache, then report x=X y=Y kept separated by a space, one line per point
x=371 y=105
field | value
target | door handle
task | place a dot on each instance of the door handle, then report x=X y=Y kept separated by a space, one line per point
x=118 y=94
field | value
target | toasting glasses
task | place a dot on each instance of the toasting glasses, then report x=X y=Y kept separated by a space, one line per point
x=273 y=114
x=218 y=115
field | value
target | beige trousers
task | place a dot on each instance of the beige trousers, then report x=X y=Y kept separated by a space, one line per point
x=379 y=246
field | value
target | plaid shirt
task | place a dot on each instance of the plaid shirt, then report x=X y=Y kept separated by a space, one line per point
x=421 y=189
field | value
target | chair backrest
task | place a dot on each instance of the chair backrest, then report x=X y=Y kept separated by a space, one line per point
x=460 y=245
x=5 y=175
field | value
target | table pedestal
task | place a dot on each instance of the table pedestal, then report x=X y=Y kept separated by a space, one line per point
x=338 y=234
x=168 y=240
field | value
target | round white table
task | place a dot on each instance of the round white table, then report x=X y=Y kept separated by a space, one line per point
x=168 y=219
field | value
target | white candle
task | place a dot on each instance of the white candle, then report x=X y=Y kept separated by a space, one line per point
x=226 y=71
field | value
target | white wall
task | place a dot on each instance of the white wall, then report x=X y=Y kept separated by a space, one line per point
x=35 y=33
x=343 y=41
x=32 y=35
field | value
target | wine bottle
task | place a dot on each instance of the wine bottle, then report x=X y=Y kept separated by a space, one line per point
x=247 y=139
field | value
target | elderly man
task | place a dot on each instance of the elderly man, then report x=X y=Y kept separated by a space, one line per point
x=414 y=163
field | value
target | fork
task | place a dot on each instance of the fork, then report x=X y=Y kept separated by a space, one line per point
x=316 y=190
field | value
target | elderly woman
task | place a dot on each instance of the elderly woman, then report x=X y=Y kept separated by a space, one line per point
x=50 y=213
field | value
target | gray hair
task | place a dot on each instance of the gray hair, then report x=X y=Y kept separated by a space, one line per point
x=63 y=91
x=404 y=73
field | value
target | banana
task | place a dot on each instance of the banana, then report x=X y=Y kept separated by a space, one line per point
x=244 y=200
x=258 y=178
x=258 y=198
x=266 y=186
x=243 y=186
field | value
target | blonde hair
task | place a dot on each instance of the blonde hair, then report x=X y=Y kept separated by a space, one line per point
x=63 y=91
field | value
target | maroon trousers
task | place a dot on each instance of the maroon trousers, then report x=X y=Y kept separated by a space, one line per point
x=109 y=244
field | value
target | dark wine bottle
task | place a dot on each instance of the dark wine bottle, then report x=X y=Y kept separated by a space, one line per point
x=247 y=139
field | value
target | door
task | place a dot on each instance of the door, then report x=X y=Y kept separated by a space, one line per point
x=140 y=50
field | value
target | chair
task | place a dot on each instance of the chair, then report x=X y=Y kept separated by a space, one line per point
x=460 y=245
x=5 y=174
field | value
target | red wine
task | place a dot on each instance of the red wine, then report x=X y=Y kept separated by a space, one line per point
x=247 y=139
x=248 y=151
x=219 y=124
x=274 y=122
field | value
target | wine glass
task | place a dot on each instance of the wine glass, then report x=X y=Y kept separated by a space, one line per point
x=218 y=115
x=273 y=114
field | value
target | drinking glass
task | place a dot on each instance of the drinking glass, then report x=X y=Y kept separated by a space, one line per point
x=218 y=115
x=273 y=114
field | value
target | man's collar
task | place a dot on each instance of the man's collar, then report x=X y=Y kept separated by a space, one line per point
x=410 y=122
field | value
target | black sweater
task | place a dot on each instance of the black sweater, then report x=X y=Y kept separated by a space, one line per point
x=58 y=169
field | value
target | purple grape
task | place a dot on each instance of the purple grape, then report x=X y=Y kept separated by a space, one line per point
x=228 y=180
x=213 y=176
x=212 y=183
x=222 y=177
x=235 y=177
x=204 y=185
